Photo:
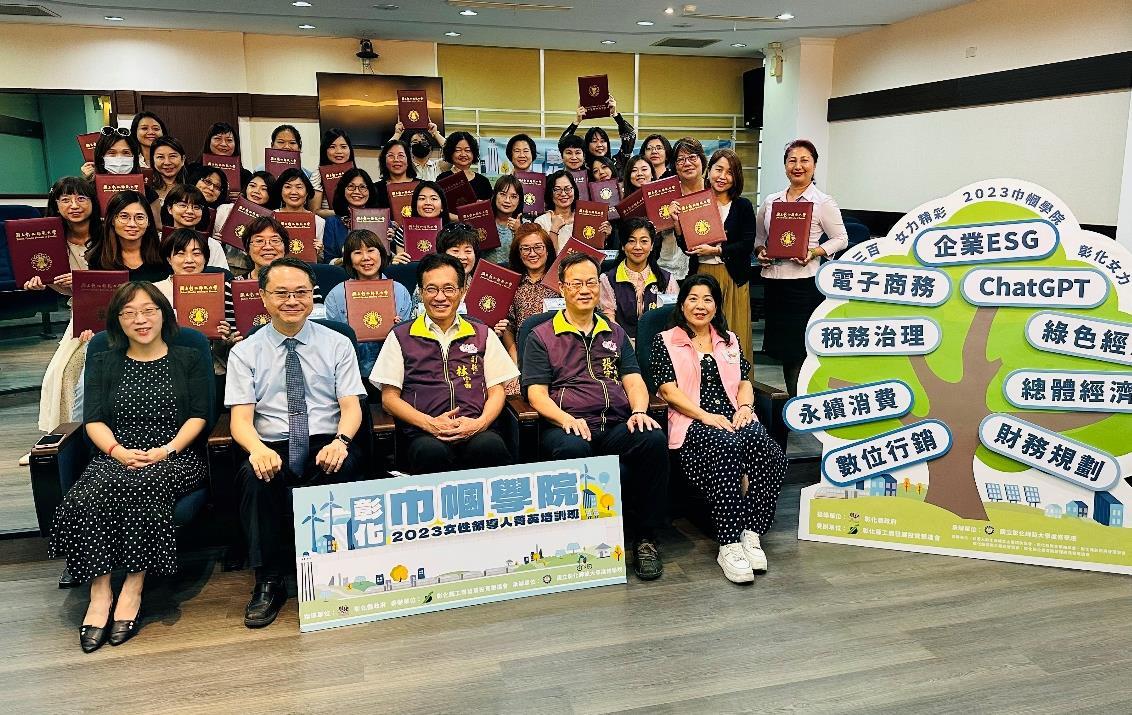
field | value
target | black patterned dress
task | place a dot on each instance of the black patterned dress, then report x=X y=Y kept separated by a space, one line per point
x=715 y=460
x=118 y=518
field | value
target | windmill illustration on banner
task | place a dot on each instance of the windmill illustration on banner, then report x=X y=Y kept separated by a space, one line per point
x=589 y=496
x=331 y=545
x=314 y=517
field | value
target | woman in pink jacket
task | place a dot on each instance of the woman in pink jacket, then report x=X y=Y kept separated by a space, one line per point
x=724 y=451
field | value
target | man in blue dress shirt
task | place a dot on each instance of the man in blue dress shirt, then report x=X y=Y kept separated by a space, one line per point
x=293 y=388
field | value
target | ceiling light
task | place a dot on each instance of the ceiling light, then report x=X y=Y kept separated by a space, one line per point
x=737 y=44
x=452 y=34
x=644 y=23
x=668 y=11
x=609 y=42
x=469 y=13
x=784 y=16
x=113 y=18
x=301 y=3
x=306 y=27
x=386 y=6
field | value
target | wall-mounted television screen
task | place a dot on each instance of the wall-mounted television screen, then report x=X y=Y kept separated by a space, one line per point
x=365 y=105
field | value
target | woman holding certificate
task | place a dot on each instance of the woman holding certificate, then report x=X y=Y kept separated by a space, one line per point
x=336 y=149
x=395 y=168
x=292 y=193
x=355 y=190
x=791 y=292
x=730 y=262
x=462 y=152
x=258 y=191
x=561 y=199
x=428 y=202
x=690 y=164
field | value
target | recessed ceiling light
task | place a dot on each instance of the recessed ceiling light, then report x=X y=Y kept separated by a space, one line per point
x=452 y=34
x=644 y=23
x=386 y=6
x=301 y=3
x=113 y=18
x=609 y=42
x=668 y=11
x=737 y=44
x=306 y=27
x=785 y=16
x=469 y=13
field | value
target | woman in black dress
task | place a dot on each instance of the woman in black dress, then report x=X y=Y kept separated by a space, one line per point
x=145 y=405
x=701 y=372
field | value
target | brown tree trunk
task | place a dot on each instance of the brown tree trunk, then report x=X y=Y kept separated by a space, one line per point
x=952 y=484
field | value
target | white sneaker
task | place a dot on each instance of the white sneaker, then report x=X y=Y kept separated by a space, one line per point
x=734 y=564
x=25 y=460
x=753 y=550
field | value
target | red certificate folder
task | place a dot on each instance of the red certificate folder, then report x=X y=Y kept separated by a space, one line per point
x=582 y=181
x=588 y=217
x=276 y=161
x=108 y=185
x=789 y=234
x=166 y=231
x=481 y=217
x=330 y=174
x=658 y=195
x=370 y=308
x=607 y=192
x=572 y=245
x=412 y=108
x=420 y=236
x=248 y=306
x=231 y=166
x=92 y=292
x=198 y=300
x=376 y=220
x=86 y=144
x=593 y=95
x=699 y=219
x=457 y=189
x=534 y=186
x=400 y=197
x=491 y=292
x=37 y=247
x=632 y=205
x=243 y=213
x=301 y=231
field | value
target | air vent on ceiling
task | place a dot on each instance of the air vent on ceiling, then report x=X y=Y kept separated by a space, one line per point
x=26 y=11
x=687 y=42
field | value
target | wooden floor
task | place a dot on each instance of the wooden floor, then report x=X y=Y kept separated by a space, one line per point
x=830 y=629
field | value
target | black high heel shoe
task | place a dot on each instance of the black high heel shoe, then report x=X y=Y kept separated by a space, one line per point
x=91 y=638
x=122 y=631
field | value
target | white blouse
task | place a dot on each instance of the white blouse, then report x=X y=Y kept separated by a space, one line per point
x=826 y=219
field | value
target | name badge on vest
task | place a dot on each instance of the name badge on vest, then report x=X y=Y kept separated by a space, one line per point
x=553 y=304
x=609 y=345
x=610 y=253
x=469 y=348
x=731 y=354
x=666 y=299
x=462 y=309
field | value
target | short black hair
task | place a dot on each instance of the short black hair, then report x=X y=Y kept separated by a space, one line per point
x=355 y=240
x=189 y=194
x=276 y=201
x=454 y=138
x=590 y=134
x=433 y=261
x=574 y=259
x=455 y=234
x=522 y=138
x=77 y=186
x=196 y=172
x=410 y=170
x=548 y=191
x=108 y=140
x=262 y=223
x=180 y=239
x=719 y=322
x=572 y=141
x=222 y=128
x=286 y=262
x=115 y=336
x=287 y=128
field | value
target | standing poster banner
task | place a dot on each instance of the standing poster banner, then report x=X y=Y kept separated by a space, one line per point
x=384 y=548
x=999 y=428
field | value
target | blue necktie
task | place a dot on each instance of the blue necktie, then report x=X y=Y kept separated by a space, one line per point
x=298 y=431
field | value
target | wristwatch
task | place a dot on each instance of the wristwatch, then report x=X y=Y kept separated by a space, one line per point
x=170 y=450
x=344 y=439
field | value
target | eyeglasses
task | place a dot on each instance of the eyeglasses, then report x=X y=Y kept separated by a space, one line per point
x=532 y=250
x=448 y=291
x=120 y=131
x=357 y=188
x=186 y=206
x=129 y=314
x=563 y=190
x=210 y=183
x=139 y=219
x=687 y=159
x=261 y=242
x=282 y=295
x=578 y=285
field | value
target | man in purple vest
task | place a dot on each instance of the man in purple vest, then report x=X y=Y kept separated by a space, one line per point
x=581 y=374
x=442 y=377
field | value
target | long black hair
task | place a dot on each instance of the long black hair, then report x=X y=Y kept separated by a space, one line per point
x=718 y=322
x=338 y=201
x=328 y=138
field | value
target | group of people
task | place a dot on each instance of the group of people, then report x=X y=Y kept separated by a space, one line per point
x=295 y=387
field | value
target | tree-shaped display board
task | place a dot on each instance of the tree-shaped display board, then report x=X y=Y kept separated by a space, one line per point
x=970 y=379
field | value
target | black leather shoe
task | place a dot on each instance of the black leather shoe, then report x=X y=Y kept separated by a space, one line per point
x=66 y=580
x=122 y=631
x=648 y=564
x=91 y=638
x=267 y=598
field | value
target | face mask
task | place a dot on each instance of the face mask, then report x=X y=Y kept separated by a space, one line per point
x=421 y=150
x=118 y=164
